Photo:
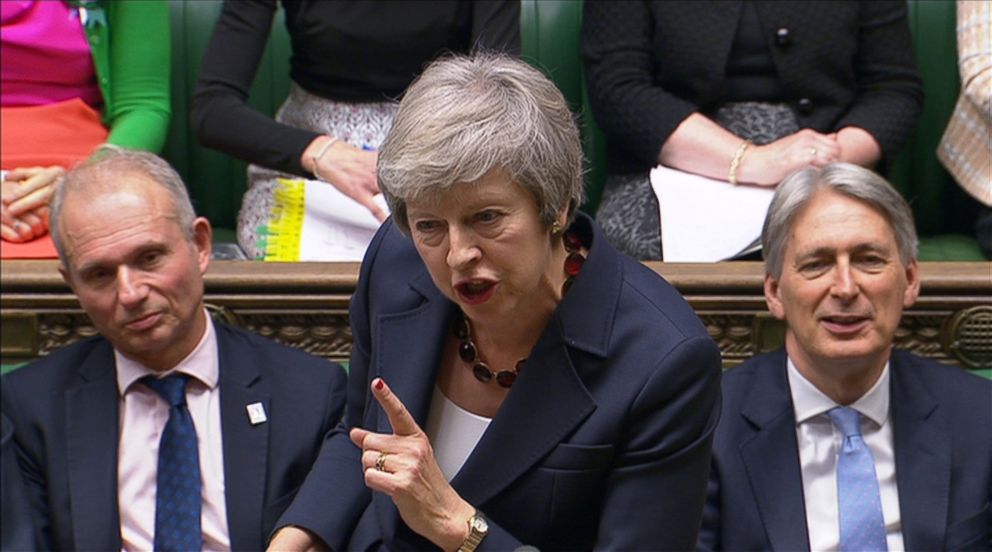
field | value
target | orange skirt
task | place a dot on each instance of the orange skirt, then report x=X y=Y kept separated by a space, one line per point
x=55 y=134
x=62 y=134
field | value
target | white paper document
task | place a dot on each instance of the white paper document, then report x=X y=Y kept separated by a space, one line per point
x=336 y=227
x=706 y=220
x=313 y=221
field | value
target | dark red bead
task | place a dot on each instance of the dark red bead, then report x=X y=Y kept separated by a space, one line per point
x=482 y=373
x=572 y=241
x=573 y=264
x=467 y=351
x=505 y=378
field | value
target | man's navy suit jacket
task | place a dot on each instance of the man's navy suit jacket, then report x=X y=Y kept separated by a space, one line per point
x=942 y=432
x=65 y=411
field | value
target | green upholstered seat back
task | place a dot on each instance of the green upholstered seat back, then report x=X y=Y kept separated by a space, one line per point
x=945 y=214
x=215 y=180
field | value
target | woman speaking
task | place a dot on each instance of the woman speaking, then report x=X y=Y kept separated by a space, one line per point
x=514 y=379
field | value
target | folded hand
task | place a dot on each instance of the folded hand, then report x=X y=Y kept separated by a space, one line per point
x=25 y=195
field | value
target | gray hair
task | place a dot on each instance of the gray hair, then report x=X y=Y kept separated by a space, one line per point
x=845 y=178
x=102 y=170
x=467 y=116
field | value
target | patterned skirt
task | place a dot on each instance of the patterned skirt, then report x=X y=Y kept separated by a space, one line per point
x=629 y=212
x=359 y=124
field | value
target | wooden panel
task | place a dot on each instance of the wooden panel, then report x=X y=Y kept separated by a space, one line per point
x=305 y=305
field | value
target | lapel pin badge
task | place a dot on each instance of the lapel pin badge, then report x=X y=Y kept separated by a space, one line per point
x=256 y=413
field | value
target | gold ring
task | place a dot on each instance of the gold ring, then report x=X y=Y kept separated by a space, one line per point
x=380 y=462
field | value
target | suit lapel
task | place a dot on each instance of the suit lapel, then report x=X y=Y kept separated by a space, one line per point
x=246 y=446
x=407 y=356
x=923 y=457
x=771 y=457
x=92 y=427
x=530 y=434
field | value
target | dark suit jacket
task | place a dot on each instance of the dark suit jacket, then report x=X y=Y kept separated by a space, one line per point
x=942 y=431
x=17 y=524
x=650 y=64
x=65 y=410
x=603 y=441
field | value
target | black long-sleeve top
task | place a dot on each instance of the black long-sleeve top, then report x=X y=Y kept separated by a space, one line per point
x=652 y=63
x=347 y=51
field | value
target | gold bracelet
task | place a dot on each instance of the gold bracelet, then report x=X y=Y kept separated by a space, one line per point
x=736 y=162
x=316 y=157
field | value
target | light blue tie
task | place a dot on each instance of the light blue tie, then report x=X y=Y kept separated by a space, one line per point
x=862 y=527
x=177 y=492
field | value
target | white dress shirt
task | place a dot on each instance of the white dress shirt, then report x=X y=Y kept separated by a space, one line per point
x=143 y=415
x=819 y=445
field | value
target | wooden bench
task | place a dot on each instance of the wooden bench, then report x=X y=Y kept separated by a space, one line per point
x=305 y=305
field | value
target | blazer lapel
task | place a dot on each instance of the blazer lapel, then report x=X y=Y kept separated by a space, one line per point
x=528 y=423
x=923 y=458
x=407 y=355
x=771 y=457
x=246 y=445
x=92 y=427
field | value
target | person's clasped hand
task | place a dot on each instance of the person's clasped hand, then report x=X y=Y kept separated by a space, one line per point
x=25 y=195
x=403 y=466
x=769 y=164
x=352 y=171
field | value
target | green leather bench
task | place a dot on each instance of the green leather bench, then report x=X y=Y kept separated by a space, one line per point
x=550 y=36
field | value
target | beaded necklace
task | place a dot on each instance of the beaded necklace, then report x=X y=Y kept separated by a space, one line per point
x=462 y=330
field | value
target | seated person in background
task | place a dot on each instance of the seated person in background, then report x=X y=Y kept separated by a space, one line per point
x=75 y=74
x=753 y=89
x=167 y=430
x=514 y=379
x=351 y=60
x=840 y=442
x=966 y=148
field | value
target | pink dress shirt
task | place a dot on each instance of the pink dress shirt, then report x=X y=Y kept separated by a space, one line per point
x=143 y=417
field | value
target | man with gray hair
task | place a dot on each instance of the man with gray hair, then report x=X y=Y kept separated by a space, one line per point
x=168 y=430
x=838 y=441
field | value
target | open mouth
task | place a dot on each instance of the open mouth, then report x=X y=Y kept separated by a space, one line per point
x=474 y=292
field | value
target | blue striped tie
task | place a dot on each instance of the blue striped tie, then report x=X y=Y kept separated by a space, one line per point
x=177 y=494
x=862 y=527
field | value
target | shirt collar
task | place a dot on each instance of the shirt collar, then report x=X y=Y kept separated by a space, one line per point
x=200 y=363
x=809 y=402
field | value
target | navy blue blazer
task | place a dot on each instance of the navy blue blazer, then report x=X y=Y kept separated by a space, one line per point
x=65 y=411
x=942 y=431
x=604 y=440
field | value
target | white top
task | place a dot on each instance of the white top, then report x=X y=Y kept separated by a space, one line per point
x=820 y=443
x=143 y=415
x=453 y=432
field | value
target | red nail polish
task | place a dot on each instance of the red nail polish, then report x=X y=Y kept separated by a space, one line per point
x=378 y=385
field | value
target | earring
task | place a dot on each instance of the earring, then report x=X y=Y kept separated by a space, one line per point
x=555 y=228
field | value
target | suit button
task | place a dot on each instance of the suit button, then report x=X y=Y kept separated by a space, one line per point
x=805 y=106
x=782 y=37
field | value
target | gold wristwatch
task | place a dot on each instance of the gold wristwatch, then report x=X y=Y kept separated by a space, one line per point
x=478 y=528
